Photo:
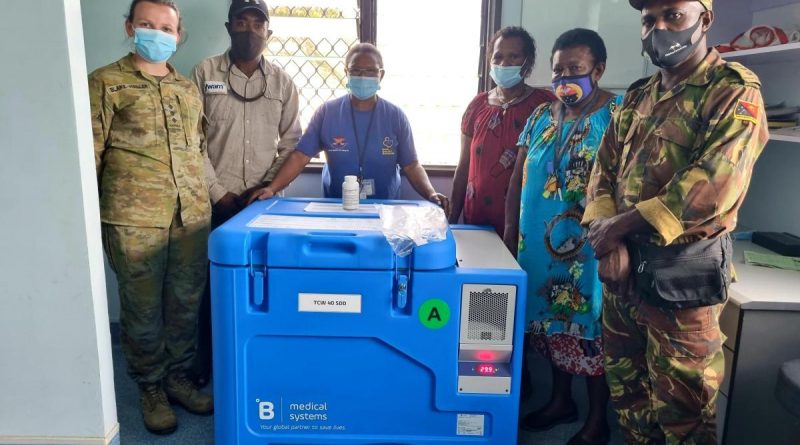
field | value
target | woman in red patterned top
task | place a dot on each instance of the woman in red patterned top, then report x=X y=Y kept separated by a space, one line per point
x=490 y=129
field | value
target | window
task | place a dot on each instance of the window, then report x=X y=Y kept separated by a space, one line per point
x=310 y=41
x=432 y=51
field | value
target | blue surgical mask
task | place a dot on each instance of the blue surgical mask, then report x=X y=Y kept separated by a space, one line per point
x=153 y=45
x=363 y=87
x=506 y=76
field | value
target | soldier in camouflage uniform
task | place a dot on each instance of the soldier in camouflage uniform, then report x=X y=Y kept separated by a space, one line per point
x=673 y=168
x=154 y=206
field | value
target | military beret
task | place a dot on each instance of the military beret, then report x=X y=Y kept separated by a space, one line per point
x=639 y=4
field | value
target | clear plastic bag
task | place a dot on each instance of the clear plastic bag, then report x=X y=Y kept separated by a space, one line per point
x=406 y=227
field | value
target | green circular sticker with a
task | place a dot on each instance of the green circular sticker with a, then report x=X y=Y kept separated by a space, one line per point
x=434 y=314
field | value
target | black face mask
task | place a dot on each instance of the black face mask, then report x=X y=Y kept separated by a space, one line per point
x=246 y=45
x=669 y=48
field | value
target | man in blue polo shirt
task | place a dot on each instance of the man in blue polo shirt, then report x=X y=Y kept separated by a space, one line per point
x=362 y=135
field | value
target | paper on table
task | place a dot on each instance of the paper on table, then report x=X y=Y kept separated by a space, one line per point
x=771 y=260
x=328 y=207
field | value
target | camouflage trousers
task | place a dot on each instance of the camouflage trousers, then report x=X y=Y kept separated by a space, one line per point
x=161 y=275
x=664 y=368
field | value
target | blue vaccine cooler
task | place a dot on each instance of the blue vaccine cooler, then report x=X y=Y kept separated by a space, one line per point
x=322 y=335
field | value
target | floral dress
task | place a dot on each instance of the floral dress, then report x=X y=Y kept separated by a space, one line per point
x=564 y=290
x=494 y=132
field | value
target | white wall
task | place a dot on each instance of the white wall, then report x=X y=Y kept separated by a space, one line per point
x=511 y=13
x=771 y=203
x=56 y=378
x=106 y=40
x=616 y=22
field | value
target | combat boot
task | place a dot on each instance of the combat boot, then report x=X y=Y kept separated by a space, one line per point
x=159 y=418
x=181 y=390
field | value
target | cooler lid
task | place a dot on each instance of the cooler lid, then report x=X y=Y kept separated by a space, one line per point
x=318 y=234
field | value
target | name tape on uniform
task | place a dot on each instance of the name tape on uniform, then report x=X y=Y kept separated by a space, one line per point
x=213 y=87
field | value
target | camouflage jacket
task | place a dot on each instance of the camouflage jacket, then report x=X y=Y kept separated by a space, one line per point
x=147 y=146
x=683 y=159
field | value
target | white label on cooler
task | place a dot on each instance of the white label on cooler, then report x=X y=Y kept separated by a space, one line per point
x=334 y=303
x=470 y=425
x=316 y=223
x=333 y=207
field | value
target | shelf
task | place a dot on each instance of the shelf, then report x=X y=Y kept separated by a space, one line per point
x=769 y=54
x=785 y=135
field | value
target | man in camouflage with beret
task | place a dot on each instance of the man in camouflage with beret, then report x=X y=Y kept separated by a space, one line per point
x=670 y=175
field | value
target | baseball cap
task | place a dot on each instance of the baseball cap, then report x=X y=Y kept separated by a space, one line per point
x=240 y=6
x=638 y=4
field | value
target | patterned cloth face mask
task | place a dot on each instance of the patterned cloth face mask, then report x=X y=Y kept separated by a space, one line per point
x=669 y=48
x=573 y=90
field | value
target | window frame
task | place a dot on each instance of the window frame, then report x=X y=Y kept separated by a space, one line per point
x=368 y=21
x=491 y=10
x=491 y=15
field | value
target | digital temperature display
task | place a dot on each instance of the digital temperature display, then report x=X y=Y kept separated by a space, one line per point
x=486 y=369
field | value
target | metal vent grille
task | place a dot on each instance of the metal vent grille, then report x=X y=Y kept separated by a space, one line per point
x=487 y=316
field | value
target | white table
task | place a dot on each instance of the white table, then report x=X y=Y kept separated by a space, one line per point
x=762 y=323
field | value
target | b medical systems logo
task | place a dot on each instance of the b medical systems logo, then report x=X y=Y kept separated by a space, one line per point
x=266 y=410
x=282 y=415
x=297 y=412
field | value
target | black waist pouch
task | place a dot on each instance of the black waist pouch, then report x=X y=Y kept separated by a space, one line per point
x=682 y=276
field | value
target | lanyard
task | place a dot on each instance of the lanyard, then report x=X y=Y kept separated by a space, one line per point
x=362 y=148
x=561 y=146
x=236 y=93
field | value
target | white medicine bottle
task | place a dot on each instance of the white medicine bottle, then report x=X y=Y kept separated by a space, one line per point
x=350 y=193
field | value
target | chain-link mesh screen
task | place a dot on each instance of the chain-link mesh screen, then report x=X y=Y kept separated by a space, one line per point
x=316 y=64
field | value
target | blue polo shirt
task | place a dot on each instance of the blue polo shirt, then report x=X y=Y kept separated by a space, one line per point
x=388 y=146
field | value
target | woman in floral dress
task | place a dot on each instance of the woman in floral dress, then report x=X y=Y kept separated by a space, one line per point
x=557 y=150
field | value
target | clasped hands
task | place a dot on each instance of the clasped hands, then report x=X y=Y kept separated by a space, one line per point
x=607 y=237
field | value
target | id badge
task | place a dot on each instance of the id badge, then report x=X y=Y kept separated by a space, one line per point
x=367 y=187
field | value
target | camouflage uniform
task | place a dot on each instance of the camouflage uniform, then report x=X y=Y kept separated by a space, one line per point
x=155 y=209
x=683 y=158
